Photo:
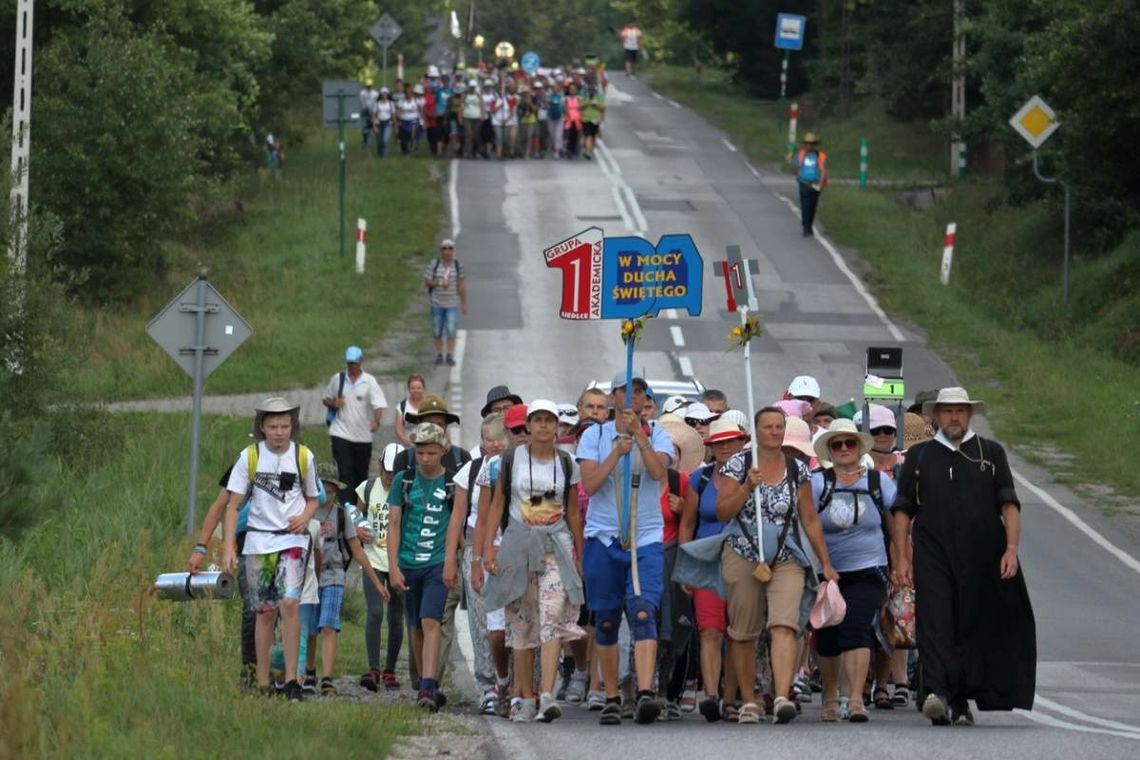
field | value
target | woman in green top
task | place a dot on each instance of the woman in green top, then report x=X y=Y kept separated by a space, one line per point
x=593 y=111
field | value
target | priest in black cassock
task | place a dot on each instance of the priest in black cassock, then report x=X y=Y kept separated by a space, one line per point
x=975 y=628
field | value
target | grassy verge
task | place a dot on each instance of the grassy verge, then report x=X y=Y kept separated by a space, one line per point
x=276 y=262
x=1055 y=387
x=898 y=152
x=94 y=666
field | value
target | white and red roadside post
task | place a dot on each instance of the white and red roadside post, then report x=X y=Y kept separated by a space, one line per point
x=948 y=251
x=361 y=241
x=793 y=121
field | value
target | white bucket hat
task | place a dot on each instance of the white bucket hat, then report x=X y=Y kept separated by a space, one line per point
x=953 y=395
x=841 y=427
x=804 y=385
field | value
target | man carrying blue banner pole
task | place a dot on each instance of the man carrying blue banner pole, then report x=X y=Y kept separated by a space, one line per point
x=623 y=560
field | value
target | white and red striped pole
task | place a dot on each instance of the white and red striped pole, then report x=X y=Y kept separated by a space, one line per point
x=361 y=240
x=948 y=251
x=793 y=121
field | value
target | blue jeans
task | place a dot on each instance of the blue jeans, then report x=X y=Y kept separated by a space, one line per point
x=444 y=319
x=383 y=137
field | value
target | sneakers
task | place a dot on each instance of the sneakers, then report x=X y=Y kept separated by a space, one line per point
x=648 y=708
x=523 y=711
x=784 y=709
x=426 y=700
x=490 y=702
x=611 y=714
x=595 y=700
x=310 y=684
x=370 y=680
x=672 y=711
x=391 y=683
x=503 y=704
x=710 y=708
x=450 y=360
x=576 y=689
x=328 y=688
x=934 y=708
x=293 y=692
x=626 y=709
x=438 y=359
x=548 y=709
x=802 y=690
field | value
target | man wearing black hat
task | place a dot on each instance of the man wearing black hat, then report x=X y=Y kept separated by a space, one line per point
x=499 y=400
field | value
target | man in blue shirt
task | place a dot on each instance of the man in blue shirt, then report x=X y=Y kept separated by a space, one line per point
x=810 y=165
x=606 y=563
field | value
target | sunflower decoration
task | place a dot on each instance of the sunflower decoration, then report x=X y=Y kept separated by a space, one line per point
x=739 y=335
x=631 y=329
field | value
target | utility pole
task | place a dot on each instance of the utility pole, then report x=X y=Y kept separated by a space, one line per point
x=958 y=91
x=21 y=139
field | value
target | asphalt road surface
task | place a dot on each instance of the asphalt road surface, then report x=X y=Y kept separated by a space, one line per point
x=663 y=170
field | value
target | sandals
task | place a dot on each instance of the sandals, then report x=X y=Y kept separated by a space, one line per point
x=858 y=714
x=750 y=712
x=901 y=697
x=882 y=700
x=831 y=711
x=328 y=688
x=732 y=711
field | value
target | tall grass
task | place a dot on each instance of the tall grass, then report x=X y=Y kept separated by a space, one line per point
x=276 y=261
x=94 y=666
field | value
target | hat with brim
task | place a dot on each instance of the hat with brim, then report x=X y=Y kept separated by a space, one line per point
x=797 y=435
x=953 y=395
x=915 y=430
x=497 y=394
x=811 y=138
x=724 y=430
x=327 y=472
x=275 y=405
x=687 y=441
x=433 y=405
x=841 y=427
x=700 y=412
x=541 y=405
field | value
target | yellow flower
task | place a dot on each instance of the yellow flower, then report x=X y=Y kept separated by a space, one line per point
x=737 y=331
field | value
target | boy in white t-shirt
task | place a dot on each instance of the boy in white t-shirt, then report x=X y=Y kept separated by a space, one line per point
x=282 y=489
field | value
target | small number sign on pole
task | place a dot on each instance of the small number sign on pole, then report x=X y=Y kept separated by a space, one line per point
x=742 y=299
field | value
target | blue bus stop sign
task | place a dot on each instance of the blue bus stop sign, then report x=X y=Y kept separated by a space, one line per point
x=790 y=31
x=530 y=62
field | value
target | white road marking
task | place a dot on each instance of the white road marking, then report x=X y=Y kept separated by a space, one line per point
x=1048 y=720
x=670 y=313
x=728 y=144
x=752 y=169
x=678 y=336
x=860 y=288
x=674 y=103
x=453 y=197
x=463 y=636
x=658 y=95
x=686 y=366
x=626 y=201
x=1129 y=561
x=1078 y=715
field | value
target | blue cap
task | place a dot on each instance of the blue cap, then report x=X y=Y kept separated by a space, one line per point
x=353 y=354
x=619 y=382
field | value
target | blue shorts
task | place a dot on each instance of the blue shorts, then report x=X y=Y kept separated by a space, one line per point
x=426 y=594
x=609 y=585
x=310 y=619
x=444 y=319
x=332 y=599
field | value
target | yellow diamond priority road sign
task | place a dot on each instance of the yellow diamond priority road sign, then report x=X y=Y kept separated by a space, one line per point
x=1035 y=121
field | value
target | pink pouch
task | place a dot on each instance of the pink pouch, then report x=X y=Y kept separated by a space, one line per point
x=829 y=608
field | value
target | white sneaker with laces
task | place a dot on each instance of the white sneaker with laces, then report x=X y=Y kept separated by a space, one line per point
x=576 y=691
x=595 y=700
x=548 y=709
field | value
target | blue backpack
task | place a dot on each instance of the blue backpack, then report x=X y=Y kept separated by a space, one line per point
x=809 y=167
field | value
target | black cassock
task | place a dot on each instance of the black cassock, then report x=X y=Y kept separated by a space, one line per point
x=976 y=634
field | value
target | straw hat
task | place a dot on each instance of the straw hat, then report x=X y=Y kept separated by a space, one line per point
x=811 y=138
x=687 y=440
x=724 y=430
x=915 y=430
x=953 y=395
x=841 y=427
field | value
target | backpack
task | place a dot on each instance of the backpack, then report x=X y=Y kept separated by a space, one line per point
x=342 y=538
x=330 y=414
x=554 y=109
x=507 y=464
x=874 y=489
x=452 y=463
x=810 y=172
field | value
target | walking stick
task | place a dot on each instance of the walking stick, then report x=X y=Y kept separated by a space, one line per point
x=763 y=572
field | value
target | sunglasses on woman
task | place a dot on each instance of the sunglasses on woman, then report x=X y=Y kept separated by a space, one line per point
x=843 y=443
x=694 y=422
x=883 y=431
x=518 y=430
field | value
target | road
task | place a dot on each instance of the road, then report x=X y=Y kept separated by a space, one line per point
x=664 y=170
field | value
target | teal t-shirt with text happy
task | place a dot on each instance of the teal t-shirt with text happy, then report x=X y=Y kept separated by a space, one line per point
x=424 y=519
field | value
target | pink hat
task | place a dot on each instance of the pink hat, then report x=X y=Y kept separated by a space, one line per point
x=793 y=407
x=829 y=608
x=881 y=416
x=797 y=434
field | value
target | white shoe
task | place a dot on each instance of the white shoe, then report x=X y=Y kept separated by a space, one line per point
x=595 y=700
x=524 y=711
x=576 y=691
x=548 y=709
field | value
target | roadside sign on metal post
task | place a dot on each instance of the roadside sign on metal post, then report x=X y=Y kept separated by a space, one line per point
x=790 y=31
x=332 y=92
x=1035 y=121
x=737 y=273
x=530 y=62
x=385 y=31
x=199 y=329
